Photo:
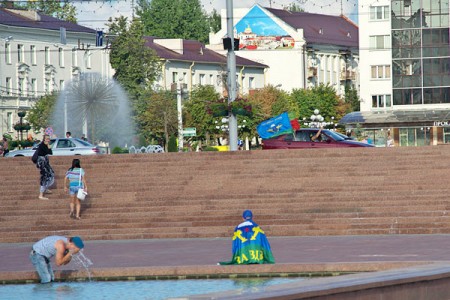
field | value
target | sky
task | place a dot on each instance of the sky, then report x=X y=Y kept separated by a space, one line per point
x=95 y=14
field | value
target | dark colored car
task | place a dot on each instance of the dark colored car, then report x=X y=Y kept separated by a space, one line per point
x=303 y=139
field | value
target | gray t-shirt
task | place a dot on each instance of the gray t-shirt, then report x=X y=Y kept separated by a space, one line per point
x=46 y=246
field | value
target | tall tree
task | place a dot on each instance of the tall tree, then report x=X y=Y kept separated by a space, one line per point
x=183 y=19
x=352 y=98
x=215 y=21
x=61 y=9
x=137 y=66
x=160 y=118
x=196 y=110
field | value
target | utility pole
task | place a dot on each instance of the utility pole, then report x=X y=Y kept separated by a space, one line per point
x=180 y=116
x=231 y=79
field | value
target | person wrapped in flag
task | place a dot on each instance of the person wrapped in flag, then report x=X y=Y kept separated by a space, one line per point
x=250 y=244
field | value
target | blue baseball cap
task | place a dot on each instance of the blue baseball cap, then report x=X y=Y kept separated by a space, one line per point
x=78 y=242
x=248 y=215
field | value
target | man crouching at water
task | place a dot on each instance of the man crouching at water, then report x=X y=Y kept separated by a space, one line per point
x=61 y=247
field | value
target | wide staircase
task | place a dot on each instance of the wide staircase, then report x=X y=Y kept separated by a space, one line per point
x=352 y=191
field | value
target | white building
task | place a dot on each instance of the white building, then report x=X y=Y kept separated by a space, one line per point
x=39 y=54
x=190 y=63
x=301 y=49
x=405 y=71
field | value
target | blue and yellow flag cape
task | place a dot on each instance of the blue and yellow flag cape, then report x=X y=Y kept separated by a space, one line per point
x=250 y=245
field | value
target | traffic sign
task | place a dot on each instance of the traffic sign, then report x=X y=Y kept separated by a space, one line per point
x=190 y=131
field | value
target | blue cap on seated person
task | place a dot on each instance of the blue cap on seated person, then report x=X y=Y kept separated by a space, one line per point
x=78 y=242
x=248 y=215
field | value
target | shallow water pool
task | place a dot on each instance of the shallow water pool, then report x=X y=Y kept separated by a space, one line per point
x=135 y=290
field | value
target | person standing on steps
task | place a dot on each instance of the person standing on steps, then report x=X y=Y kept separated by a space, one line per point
x=60 y=247
x=43 y=164
x=75 y=176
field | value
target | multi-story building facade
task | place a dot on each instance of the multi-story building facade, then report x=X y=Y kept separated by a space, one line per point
x=405 y=71
x=40 y=54
x=301 y=49
x=190 y=63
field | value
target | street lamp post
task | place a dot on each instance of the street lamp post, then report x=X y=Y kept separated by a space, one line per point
x=231 y=78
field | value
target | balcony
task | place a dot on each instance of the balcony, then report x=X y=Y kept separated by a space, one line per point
x=347 y=75
x=312 y=72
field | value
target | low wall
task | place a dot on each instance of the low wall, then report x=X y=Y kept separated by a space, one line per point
x=422 y=282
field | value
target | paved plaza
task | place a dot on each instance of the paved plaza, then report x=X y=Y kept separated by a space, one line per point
x=199 y=257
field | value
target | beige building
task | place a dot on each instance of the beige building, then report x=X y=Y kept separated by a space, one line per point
x=39 y=54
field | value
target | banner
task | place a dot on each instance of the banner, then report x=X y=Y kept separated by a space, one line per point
x=275 y=126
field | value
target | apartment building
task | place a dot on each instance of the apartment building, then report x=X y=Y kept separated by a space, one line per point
x=405 y=71
x=301 y=49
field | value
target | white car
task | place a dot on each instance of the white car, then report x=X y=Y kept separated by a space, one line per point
x=61 y=147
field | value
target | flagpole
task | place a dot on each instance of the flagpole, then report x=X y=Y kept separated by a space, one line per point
x=231 y=79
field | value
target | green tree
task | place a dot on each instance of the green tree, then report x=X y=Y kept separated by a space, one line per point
x=215 y=21
x=351 y=97
x=172 y=144
x=159 y=119
x=41 y=112
x=137 y=66
x=61 y=9
x=195 y=110
x=182 y=19
x=294 y=7
x=270 y=101
x=323 y=98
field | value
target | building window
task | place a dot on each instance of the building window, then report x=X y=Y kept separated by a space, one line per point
x=379 y=42
x=74 y=57
x=61 y=57
x=47 y=55
x=381 y=101
x=47 y=86
x=380 y=72
x=174 y=77
x=201 y=79
x=34 y=87
x=8 y=53
x=379 y=12
x=33 y=54
x=251 y=83
x=21 y=87
x=9 y=120
x=88 y=59
x=61 y=85
x=211 y=79
x=20 y=53
x=414 y=136
x=446 y=135
x=8 y=85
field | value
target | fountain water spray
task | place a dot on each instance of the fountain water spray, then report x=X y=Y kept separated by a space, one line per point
x=95 y=106
x=81 y=261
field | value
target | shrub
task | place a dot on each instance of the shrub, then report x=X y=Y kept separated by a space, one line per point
x=172 y=146
x=118 y=150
